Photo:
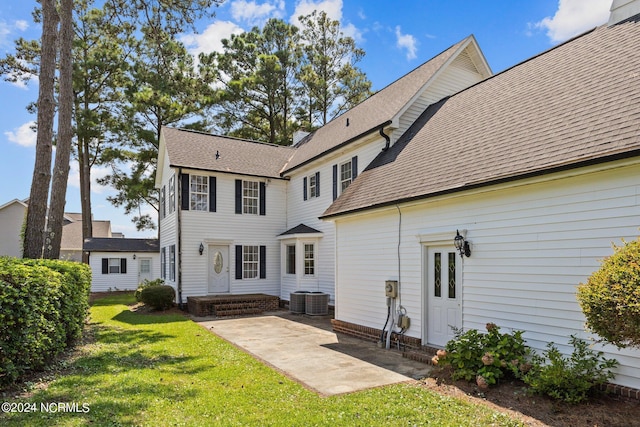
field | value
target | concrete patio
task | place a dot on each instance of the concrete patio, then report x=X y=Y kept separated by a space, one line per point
x=306 y=350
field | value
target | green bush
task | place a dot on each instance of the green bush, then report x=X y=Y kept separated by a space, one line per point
x=42 y=309
x=158 y=297
x=610 y=299
x=485 y=358
x=569 y=379
x=146 y=283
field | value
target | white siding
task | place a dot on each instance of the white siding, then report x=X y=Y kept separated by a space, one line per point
x=119 y=282
x=168 y=225
x=460 y=74
x=233 y=229
x=11 y=219
x=532 y=244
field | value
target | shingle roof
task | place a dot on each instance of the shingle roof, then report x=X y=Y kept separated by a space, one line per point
x=576 y=103
x=300 y=229
x=95 y=244
x=377 y=110
x=198 y=150
x=72 y=233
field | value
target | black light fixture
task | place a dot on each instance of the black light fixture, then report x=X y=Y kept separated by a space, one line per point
x=201 y=248
x=462 y=245
x=134 y=256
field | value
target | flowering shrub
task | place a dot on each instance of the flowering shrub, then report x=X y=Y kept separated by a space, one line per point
x=485 y=358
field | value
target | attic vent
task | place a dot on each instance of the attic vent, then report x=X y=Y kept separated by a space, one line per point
x=347 y=121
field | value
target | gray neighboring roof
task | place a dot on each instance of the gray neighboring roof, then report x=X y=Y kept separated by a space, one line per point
x=376 y=111
x=72 y=233
x=300 y=229
x=197 y=150
x=96 y=244
x=575 y=104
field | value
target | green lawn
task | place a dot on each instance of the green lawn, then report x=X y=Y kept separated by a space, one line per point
x=164 y=370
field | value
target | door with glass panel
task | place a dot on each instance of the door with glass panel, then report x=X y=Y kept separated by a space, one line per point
x=444 y=294
x=218 y=269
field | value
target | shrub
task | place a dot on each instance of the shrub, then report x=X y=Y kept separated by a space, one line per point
x=146 y=284
x=158 y=297
x=485 y=358
x=610 y=299
x=569 y=378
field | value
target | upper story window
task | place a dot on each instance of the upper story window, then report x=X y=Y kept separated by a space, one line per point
x=250 y=197
x=311 y=186
x=163 y=211
x=172 y=193
x=199 y=193
x=345 y=175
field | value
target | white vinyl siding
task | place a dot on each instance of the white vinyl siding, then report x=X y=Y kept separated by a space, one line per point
x=532 y=244
x=117 y=281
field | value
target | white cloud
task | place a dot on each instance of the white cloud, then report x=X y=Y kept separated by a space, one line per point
x=23 y=135
x=574 y=17
x=210 y=40
x=254 y=13
x=7 y=30
x=333 y=9
x=21 y=24
x=408 y=42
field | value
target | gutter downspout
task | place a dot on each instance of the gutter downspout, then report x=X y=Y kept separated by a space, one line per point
x=386 y=137
x=179 y=241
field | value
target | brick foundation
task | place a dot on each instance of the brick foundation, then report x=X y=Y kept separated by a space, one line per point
x=232 y=305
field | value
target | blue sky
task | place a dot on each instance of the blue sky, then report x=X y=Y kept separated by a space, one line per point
x=396 y=36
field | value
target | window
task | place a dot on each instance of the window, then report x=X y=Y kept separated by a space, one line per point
x=199 y=193
x=172 y=193
x=250 y=261
x=291 y=259
x=250 y=197
x=163 y=211
x=163 y=263
x=172 y=262
x=309 y=259
x=145 y=266
x=114 y=265
x=312 y=186
x=345 y=176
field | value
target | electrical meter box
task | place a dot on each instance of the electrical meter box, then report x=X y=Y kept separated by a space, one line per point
x=391 y=289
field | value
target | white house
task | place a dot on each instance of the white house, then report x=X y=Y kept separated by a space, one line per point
x=119 y=264
x=537 y=167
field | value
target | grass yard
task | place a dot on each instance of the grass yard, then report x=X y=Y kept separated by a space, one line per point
x=164 y=370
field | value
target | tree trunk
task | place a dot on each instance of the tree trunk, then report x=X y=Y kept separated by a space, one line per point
x=37 y=210
x=65 y=134
x=84 y=166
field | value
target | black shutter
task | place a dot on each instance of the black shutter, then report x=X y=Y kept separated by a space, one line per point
x=263 y=198
x=335 y=182
x=304 y=188
x=238 y=262
x=105 y=265
x=184 y=191
x=123 y=266
x=212 y=194
x=238 y=196
x=263 y=262
x=354 y=167
x=317 y=184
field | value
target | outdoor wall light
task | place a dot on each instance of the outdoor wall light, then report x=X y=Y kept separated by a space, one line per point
x=134 y=256
x=201 y=248
x=462 y=245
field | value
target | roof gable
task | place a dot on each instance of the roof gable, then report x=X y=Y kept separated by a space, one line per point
x=573 y=104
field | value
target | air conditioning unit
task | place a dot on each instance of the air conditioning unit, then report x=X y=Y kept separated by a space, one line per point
x=297 y=302
x=317 y=303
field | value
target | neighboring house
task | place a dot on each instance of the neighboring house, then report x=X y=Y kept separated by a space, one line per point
x=119 y=264
x=12 y=217
x=538 y=167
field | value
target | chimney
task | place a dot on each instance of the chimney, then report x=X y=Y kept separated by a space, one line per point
x=623 y=9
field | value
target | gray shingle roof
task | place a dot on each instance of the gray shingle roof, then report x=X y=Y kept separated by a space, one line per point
x=198 y=150
x=377 y=110
x=96 y=244
x=300 y=229
x=574 y=104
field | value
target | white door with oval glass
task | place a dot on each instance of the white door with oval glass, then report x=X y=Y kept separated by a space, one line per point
x=444 y=294
x=218 y=269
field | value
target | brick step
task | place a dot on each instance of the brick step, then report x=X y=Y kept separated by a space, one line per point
x=237 y=312
x=235 y=306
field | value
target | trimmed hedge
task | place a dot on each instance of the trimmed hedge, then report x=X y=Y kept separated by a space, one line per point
x=43 y=307
x=159 y=297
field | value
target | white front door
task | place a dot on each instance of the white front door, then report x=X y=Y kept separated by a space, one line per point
x=144 y=269
x=444 y=294
x=218 y=269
